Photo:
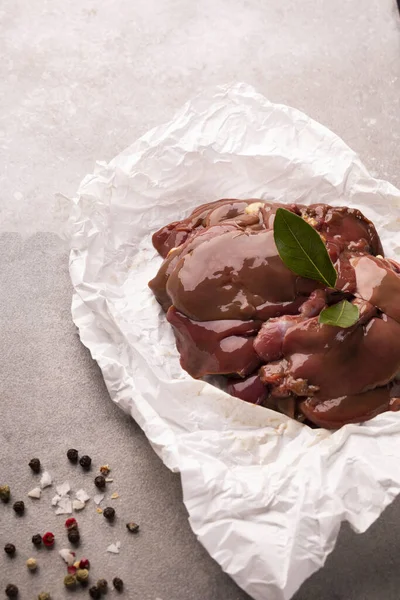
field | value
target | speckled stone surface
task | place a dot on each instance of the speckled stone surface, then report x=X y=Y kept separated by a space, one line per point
x=79 y=82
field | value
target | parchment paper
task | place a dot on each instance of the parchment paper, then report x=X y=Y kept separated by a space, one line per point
x=265 y=495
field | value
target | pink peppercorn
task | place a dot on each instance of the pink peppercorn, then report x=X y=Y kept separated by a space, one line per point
x=84 y=564
x=48 y=539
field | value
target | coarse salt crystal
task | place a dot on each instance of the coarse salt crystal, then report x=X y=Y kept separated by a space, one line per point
x=97 y=498
x=114 y=548
x=35 y=493
x=68 y=556
x=82 y=496
x=55 y=500
x=45 y=480
x=64 y=506
x=63 y=489
x=78 y=505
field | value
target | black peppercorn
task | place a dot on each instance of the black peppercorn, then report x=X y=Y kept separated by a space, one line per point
x=72 y=455
x=100 y=482
x=102 y=585
x=85 y=462
x=9 y=549
x=4 y=493
x=19 y=507
x=74 y=536
x=94 y=592
x=11 y=591
x=132 y=527
x=109 y=513
x=35 y=465
x=118 y=584
x=37 y=539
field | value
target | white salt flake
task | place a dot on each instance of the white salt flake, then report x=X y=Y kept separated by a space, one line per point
x=97 y=498
x=63 y=489
x=45 y=480
x=68 y=556
x=114 y=548
x=82 y=496
x=109 y=480
x=55 y=500
x=64 y=506
x=35 y=493
x=78 y=505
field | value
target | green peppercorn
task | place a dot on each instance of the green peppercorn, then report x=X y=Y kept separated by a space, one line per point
x=44 y=596
x=70 y=581
x=9 y=549
x=102 y=585
x=94 y=592
x=85 y=462
x=132 y=527
x=118 y=584
x=100 y=482
x=11 y=591
x=74 y=536
x=72 y=455
x=37 y=539
x=19 y=507
x=82 y=575
x=109 y=513
x=5 y=493
x=34 y=464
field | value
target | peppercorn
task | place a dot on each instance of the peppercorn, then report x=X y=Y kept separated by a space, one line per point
x=4 y=493
x=48 y=539
x=11 y=591
x=84 y=563
x=71 y=523
x=94 y=592
x=82 y=575
x=132 y=527
x=31 y=563
x=85 y=462
x=109 y=513
x=105 y=470
x=44 y=596
x=74 y=536
x=72 y=569
x=118 y=584
x=9 y=549
x=37 y=539
x=19 y=507
x=34 y=464
x=102 y=585
x=72 y=455
x=70 y=581
x=100 y=482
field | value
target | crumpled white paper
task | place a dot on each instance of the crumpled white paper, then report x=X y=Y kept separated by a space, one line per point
x=265 y=495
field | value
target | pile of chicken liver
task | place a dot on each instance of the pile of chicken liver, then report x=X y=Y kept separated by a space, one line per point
x=238 y=311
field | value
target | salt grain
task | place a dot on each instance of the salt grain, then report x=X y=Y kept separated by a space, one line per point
x=114 y=548
x=35 y=493
x=82 y=496
x=64 y=506
x=55 y=500
x=68 y=556
x=63 y=489
x=45 y=480
x=97 y=498
x=78 y=505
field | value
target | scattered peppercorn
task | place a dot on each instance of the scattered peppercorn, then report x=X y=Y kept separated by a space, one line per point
x=118 y=584
x=102 y=585
x=84 y=563
x=19 y=507
x=94 y=592
x=44 y=596
x=71 y=523
x=37 y=539
x=34 y=464
x=109 y=513
x=74 y=536
x=132 y=527
x=70 y=581
x=82 y=575
x=85 y=462
x=11 y=591
x=31 y=563
x=9 y=549
x=72 y=569
x=48 y=539
x=72 y=455
x=5 y=493
x=100 y=482
x=105 y=470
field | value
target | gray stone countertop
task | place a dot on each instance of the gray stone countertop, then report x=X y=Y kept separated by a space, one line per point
x=79 y=82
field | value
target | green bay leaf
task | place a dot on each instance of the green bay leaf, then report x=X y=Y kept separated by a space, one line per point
x=343 y=314
x=302 y=249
